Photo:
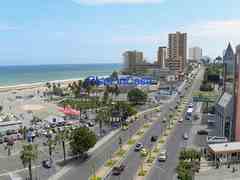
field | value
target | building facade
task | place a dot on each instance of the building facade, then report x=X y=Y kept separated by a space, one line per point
x=132 y=59
x=237 y=95
x=195 y=53
x=225 y=116
x=162 y=56
x=177 y=50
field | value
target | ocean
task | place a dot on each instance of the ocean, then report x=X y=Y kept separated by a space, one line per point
x=17 y=75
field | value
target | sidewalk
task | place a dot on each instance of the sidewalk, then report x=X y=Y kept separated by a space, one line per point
x=66 y=168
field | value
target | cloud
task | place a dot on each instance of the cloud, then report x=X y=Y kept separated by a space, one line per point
x=99 y=2
x=212 y=36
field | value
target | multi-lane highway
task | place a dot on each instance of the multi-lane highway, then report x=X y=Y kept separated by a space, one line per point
x=166 y=170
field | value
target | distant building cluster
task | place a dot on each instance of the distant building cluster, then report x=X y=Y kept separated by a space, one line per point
x=195 y=53
x=171 y=60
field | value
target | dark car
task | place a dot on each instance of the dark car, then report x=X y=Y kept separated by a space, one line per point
x=202 y=132
x=154 y=138
x=5 y=138
x=47 y=163
x=11 y=131
x=164 y=121
x=90 y=124
x=138 y=147
x=1 y=140
x=118 y=170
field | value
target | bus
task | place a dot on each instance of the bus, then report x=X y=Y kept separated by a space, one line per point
x=189 y=114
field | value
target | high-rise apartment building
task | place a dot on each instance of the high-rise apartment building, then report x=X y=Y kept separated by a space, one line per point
x=177 y=50
x=195 y=53
x=237 y=95
x=162 y=56
x=131 y=59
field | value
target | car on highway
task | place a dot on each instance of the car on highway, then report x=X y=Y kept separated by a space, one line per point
x=154 y=138
x=164 y=120
x=190 y=105
x=138 y=146
x=180 y=120
x=162 y=156
x=117 y=170
x=185 y=136
x=202 y=132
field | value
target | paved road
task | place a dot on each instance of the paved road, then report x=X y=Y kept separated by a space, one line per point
x=166 y=170
x=83 y=170
x=98 y=159
x=133 y=160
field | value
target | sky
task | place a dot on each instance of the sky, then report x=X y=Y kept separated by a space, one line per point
x=99 y=31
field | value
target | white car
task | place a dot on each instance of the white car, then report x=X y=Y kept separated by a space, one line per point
x=180 y=120
x=162 y=156
x=185 y=136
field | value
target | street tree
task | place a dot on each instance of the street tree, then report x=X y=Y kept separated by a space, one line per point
x=62 y=137
x=114 y=75
x=29 y=154
x=137 y=96
x=51 y=143
x=81 y=140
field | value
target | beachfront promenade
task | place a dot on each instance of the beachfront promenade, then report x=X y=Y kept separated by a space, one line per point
x=106 y=146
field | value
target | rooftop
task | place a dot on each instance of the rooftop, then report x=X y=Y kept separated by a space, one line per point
x=225 y=147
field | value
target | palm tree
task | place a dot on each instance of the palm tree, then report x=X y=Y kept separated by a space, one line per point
x=101 y=117
x=105 y=97
x=28 y=154
x=48 y=84
x=62 y=137
x=51 y=143
x=88 y=89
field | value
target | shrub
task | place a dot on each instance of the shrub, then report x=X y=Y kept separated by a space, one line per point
x=110 y=163
x=131 y=141
x=142 y=173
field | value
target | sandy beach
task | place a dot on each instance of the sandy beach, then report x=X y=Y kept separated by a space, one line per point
x=36 y=104
x=39 y=85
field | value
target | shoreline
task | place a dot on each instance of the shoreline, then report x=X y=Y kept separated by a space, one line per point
x=27 y=86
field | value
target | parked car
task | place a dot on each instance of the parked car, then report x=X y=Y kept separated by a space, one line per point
x=162 y=156
x=154 y=138
x=202 y=132
x=185 y=136
x=11 y=131
x=138 y=147
x=118 y=170
x=5 y=138
x=47 y=163
x=90 y=124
